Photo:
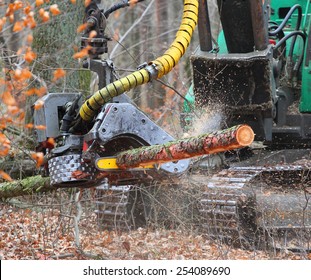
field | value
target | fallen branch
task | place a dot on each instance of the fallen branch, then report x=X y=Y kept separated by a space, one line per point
x=62 y=256
x=30 y=185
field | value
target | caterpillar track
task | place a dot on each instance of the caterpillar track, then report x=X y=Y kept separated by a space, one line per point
x=118 y=207
x=220 y=202
x=112 y=203
x=259 y=206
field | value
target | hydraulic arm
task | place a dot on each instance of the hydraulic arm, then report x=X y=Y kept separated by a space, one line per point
x=155 y=69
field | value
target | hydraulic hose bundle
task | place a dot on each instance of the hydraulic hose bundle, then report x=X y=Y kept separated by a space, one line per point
x=156 y=68
x=294 y=34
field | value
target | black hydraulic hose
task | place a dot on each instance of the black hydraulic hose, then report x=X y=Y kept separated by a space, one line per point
x=280 y=35
x=272 y=22
x=292 y=45
x=122 y=4
x=286 y=37
x=282 y=25
x=287 y=17
x=70 y=115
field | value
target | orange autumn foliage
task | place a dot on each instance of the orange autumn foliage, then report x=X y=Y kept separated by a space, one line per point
x=3 y=123
x=10 y=10
x=5 y=145
x=44 y=15
x=40 y=127
x=29 y=92
x=29 y=39
x=55 y=10
x=133 y=2
x=39 y=3
x=8 y=99
x=39 y=158
x=30 y=20
x=17 y=5
x=21 y=116
x=18 y=26
x=38 y=105
x=30 y=55
x=81 y=27
x=22 y=74
x=5 y=176
x=41 y=12
x=26 y=74
x=2 y=22
x=31 y=126
x=13 y=110
x=83 y=53
x=51 y=142
x=27 y=9
x=87 y=2
x=93 y=34
x=38 y=91
x=58 y=74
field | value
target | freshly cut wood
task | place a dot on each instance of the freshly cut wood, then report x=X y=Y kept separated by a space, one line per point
x=232 y=138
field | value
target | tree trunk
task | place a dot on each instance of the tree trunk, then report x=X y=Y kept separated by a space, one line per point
x=221 y=141
x=30 y=185
x=54 y=43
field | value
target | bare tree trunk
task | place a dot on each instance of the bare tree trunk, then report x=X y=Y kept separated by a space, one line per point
x=161 y=26
x=54 y=43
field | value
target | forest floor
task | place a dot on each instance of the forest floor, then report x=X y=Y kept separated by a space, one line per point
x=45 y=235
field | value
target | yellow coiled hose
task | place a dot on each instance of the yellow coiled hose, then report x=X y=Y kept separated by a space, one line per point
x=156 y=68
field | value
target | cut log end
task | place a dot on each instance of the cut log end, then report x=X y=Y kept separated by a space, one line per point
x=245 y=135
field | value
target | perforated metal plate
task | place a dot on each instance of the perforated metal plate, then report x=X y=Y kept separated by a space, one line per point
x=71 y=170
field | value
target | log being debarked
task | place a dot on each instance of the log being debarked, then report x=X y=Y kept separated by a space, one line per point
x=220 y=141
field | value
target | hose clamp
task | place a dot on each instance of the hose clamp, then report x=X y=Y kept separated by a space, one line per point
x=152 y=70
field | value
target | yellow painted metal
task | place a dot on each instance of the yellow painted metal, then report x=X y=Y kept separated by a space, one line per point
x=107 y=164
x=163 y=64
x=110 y=163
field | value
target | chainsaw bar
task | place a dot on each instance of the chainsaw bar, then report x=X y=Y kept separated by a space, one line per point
x=110 y=164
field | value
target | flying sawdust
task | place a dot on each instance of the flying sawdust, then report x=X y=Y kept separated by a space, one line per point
x=209 y=120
